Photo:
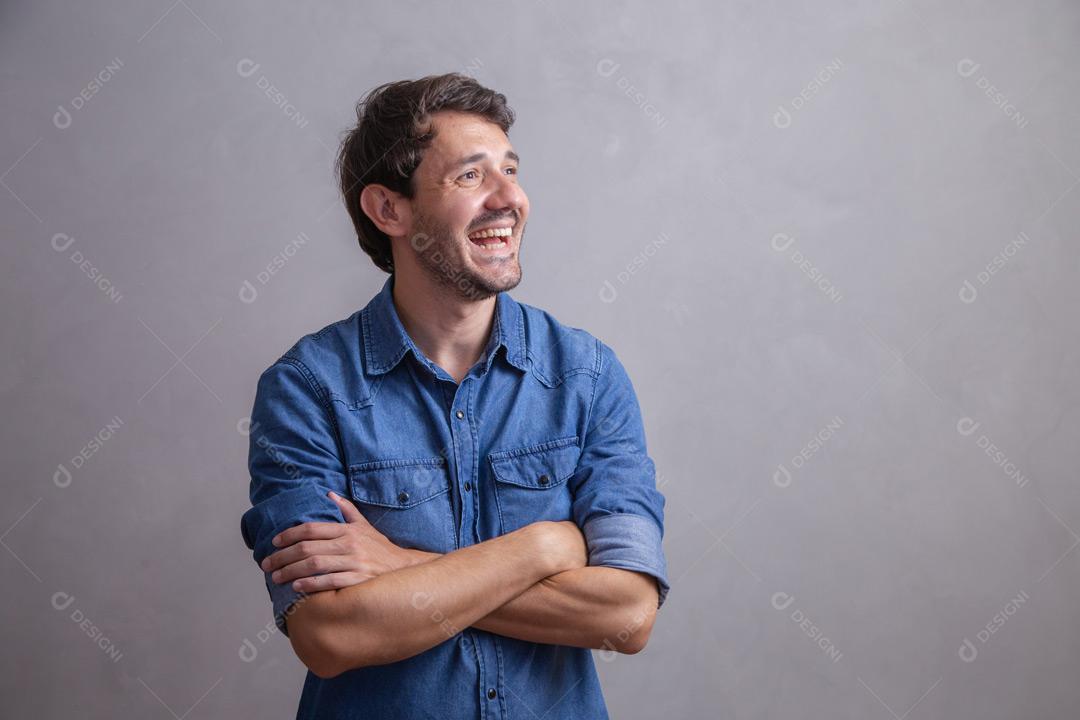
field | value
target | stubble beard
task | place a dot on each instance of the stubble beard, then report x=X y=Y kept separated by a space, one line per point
x=441 y=257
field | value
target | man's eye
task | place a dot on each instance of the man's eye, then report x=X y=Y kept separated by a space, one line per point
x=513 y=170
x=473 y=173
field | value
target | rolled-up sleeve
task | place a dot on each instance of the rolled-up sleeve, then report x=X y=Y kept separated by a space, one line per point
x=616 y=502
x=293 y=461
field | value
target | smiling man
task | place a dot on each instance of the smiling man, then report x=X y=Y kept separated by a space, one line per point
x=451 y=495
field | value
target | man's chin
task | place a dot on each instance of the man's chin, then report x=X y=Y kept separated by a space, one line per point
x=480 y=286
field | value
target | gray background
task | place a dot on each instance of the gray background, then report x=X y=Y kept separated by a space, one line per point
x=794 y=293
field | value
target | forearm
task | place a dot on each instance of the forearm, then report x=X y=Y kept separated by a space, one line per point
x=593 y=607
x=402 y=613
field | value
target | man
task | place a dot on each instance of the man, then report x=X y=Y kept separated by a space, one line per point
x=451 y=495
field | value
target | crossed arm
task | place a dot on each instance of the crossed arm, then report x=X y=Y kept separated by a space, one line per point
x=531 y=584
x=596 y=607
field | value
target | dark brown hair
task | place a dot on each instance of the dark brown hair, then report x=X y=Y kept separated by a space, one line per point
x=393 y=128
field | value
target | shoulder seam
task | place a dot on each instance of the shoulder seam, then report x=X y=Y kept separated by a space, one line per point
x=319 y=333
x=309 y=376
x=596 y=383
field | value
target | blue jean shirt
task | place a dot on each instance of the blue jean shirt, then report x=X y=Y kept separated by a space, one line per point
x=545 y=426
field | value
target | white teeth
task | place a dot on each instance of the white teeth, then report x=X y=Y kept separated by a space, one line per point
x=494 y=245
x=494 y=232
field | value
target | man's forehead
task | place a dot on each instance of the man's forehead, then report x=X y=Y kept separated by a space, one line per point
x=460 y=137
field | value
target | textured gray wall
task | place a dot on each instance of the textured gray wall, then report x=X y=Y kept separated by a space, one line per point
x=830 y=243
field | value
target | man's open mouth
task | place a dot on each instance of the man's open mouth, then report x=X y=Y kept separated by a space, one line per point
x=492 y=238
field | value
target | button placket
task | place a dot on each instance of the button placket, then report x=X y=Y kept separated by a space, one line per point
x=461 y=431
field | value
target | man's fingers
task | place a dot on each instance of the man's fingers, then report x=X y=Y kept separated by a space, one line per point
x=321 y=530
x=311 y=566
x=308 y=531
x=347 y=509
x=300 y=551
x=330 y=581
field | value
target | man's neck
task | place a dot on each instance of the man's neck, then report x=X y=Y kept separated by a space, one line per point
x=451 y=331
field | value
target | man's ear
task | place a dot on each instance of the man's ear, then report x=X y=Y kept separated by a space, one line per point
x=389 y=210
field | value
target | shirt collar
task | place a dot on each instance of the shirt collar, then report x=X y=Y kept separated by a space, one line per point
x=386 y=341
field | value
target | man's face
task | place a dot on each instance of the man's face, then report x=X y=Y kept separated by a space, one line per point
x=467 y=184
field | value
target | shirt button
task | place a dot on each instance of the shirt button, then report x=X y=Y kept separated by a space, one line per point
x=403 y=497
x=468 y=486
x=543 y=480
x=459 y=414
x=491 y=693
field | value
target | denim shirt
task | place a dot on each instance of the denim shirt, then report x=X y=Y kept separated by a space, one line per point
x=546 y=426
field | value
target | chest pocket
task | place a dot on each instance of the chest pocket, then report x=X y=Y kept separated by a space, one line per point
x=408 y=501
x=530 y=482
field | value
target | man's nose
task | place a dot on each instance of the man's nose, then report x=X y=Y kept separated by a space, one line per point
x=506 y=194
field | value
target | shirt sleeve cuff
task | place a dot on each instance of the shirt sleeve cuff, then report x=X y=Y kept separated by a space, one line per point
x=284 y=598
x=630 y=542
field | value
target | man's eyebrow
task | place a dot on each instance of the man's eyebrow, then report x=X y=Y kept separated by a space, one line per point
x=476 y=157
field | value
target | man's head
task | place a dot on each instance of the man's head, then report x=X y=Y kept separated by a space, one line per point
x=428 y=165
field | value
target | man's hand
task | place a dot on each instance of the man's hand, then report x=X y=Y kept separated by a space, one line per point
x=348 y=553
x=352 y=552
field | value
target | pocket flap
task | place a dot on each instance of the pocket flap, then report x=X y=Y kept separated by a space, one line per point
x=542 y=466
x=398 y=483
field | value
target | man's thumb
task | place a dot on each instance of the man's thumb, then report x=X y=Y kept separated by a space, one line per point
x=347 y=508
